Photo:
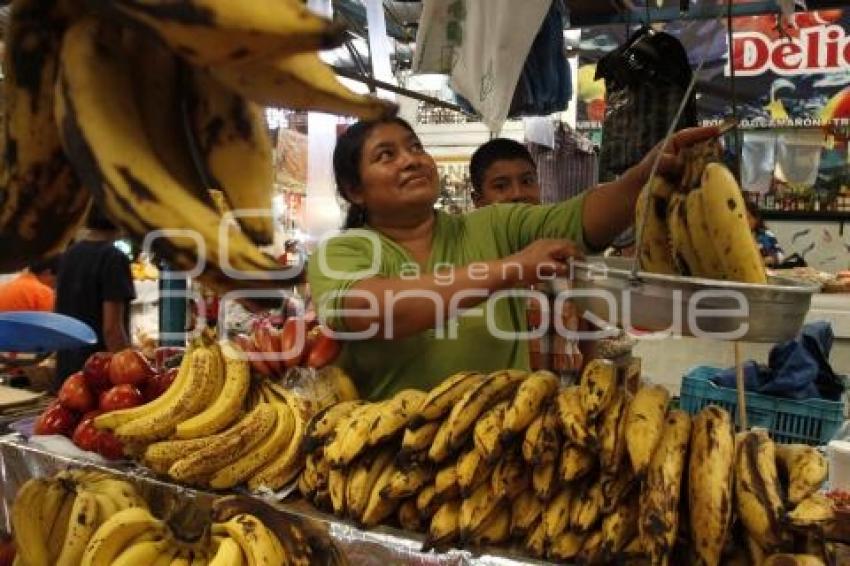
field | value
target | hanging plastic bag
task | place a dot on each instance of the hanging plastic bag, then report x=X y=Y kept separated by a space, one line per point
x=482 y=46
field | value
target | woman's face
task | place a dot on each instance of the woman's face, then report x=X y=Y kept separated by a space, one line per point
x=397 y=175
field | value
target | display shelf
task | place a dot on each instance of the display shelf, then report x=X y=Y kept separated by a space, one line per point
x=20 y=461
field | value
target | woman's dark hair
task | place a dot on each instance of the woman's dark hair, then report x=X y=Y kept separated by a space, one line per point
x=347 y=155
x=753 y=209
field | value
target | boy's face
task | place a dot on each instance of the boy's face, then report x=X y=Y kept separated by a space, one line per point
x=509 y=180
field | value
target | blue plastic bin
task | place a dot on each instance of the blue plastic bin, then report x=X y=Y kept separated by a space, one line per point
x=809 y=421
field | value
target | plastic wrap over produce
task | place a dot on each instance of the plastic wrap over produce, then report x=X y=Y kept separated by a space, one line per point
x=189 y=510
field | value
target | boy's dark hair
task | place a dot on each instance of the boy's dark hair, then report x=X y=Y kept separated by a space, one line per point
x=97 y=220
x=346 y=161
x=497 y=149
x=50 y=264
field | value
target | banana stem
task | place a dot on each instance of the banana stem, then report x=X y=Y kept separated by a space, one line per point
x=742 y=398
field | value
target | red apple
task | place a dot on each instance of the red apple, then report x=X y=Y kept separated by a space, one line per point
x=56 y=419
x=121 y=396
x=158 y=384
x=96 y=370
x=86 y=435
x=129 y=366
x=75 y=394
x=109 y=446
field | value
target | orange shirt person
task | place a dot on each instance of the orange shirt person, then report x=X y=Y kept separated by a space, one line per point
x=32 y=289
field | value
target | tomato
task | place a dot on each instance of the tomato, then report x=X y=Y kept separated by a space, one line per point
x=129 y=366
x=293 y=340
x=158 y=384
x=75 y=394
x=121 y=396
x=86 y=435
x=56 y=419
x=96 y=370
x=109 y=446
x=267 y=344
x=323 y=351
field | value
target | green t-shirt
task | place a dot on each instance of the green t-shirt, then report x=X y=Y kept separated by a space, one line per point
x=381 y=367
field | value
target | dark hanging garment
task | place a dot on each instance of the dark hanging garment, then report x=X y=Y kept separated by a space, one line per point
x=544 y=86
x=645 y=80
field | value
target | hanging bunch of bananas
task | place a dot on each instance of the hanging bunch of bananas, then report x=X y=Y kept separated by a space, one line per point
x=54 y=518
x=145 y=107
x=215 y=428
x=700 y=227
x=590 y=473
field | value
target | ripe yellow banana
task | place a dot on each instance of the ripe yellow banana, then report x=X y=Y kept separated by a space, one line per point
x=116 y=533
x=228 y=554
x=805 y=468
x=476 y=508
x=217 y=32
x=59 y=531
x=408 y=482
x=526 y=510
x=684 y=250
x=259 y=544
x=101 y=140
x=277 y=441
x=54 y=497
x=544 y=480
x=723 y=204
x=793 y=560
x=443 y=397
x=114 y=419
x=471 y=471
x=616 y=487
x=542 y=439
x=496 y=529
x=496 y=387
x=598 y=386
x=26 y=521
x=41 y=201
x=445 y=526
x=710 y=474
x=612 y=434
x=566 y=545
x=221 y=413
x=285 y=467
x=557 y=512
x=82 y=531
x=122 y=492
x=235 y=151
x=574 y=418
x=575 y=463
x=619 y=527
x=757 y=491
x=337 y=490
x=708 y=258
x=587 y=508
x=160 y=424
x=661 y=490
x=379 y=508
x=528 y=402
x=814 y=510
x=301 y=81
x=535 y=541
x=394 y=415
x=146 y=552
x=427 y=502
x=645 y=424
x=352 y=437
x=446 y=485
x=321 y=427
x=487 y=431
x=510 y=476
x=591 y=549
x=655 y=253
x=160 y=456
x=228 y=446
x=415 y=440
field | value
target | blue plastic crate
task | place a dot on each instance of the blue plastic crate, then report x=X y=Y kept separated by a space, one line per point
x=809 y=421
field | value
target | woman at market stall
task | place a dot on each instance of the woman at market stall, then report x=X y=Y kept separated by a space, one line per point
x=401 y=283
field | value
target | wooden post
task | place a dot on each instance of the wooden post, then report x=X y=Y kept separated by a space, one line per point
x=742 y=398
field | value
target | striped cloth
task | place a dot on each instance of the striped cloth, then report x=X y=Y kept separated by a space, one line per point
x=567 y=169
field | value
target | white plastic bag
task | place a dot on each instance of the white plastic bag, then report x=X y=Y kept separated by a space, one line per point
x=482 y=45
